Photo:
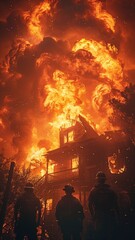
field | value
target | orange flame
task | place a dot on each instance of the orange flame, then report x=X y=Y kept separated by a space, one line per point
x=36 y=154
x=33 y=20
x=112 y=69
x=103 y=15
x=97 y=100
x=67 y=97
x=1 y=123
x=63 y=99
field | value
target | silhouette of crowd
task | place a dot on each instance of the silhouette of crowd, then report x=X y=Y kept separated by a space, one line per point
x=111 y=214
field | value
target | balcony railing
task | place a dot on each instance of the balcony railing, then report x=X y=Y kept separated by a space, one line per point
x=64 y=174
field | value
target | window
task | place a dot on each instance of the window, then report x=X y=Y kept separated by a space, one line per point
x=65 y=138
x=116 y=164
x=75 y=164
x=69 y=137
x=51 y=168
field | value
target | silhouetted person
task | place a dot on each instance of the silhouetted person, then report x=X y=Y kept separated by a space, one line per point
x=69 y=214
x=132 y=198
x=27 y=212
x=125 y=215
x=103 y=207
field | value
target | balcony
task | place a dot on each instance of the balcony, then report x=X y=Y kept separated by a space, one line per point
x=66 y=174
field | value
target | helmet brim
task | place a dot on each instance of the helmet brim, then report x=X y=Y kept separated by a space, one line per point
x=68 y=190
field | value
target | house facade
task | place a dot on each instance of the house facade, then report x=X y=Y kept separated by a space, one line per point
x=81 y=154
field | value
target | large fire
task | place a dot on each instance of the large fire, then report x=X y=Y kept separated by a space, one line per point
x=63 y=100
x=47 y=82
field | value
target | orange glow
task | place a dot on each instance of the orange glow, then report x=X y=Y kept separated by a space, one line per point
x=3 y=110
x=33 y=20
x=112 y=69
x=1 y=123
x=103 y=15
x=75 y=164
x=113 y=165
x=98 y=94
x=51 y=168
x=49 y=203
x=63 y=100
x=36 y=153
x=42 y=172
x=111 y=75
x=67 y=76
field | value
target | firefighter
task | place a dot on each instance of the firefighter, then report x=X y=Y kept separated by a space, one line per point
x=132 y=199
x=69 y=214
x=104 y=210
x=27 y=213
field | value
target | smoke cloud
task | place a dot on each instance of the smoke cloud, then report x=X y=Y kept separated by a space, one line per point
x=37 y=40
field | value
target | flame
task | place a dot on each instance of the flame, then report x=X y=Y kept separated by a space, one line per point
x=3 y=112
x=103 y=15
x=67 y=84
x=1 y=123
x=36 y=160
x=111 y=74
x=112 y=163
x=42 y=172
x=112 y=69
x=33 y=20
x=63 y=99
x=36 y=154
x=51 y=168
x=98 y=94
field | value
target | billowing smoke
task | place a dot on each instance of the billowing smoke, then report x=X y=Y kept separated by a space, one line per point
x=59 y=58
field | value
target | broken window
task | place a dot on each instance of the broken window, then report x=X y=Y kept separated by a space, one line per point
x=116 y=163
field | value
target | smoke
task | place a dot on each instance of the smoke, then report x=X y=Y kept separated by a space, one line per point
x=124 y=12
x=36 y=41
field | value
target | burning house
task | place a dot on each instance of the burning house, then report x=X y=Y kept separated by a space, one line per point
x=82 y=152
x=60 y=61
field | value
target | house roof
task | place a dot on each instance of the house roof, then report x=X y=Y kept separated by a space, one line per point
x=72 y=148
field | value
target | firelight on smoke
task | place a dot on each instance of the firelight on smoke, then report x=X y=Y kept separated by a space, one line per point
x=63 y=63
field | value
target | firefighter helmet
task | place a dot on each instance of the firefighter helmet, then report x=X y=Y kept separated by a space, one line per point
x=69 y=188
x=100 y=176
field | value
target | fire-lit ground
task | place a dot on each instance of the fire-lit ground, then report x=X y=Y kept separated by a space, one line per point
x=60 y=59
